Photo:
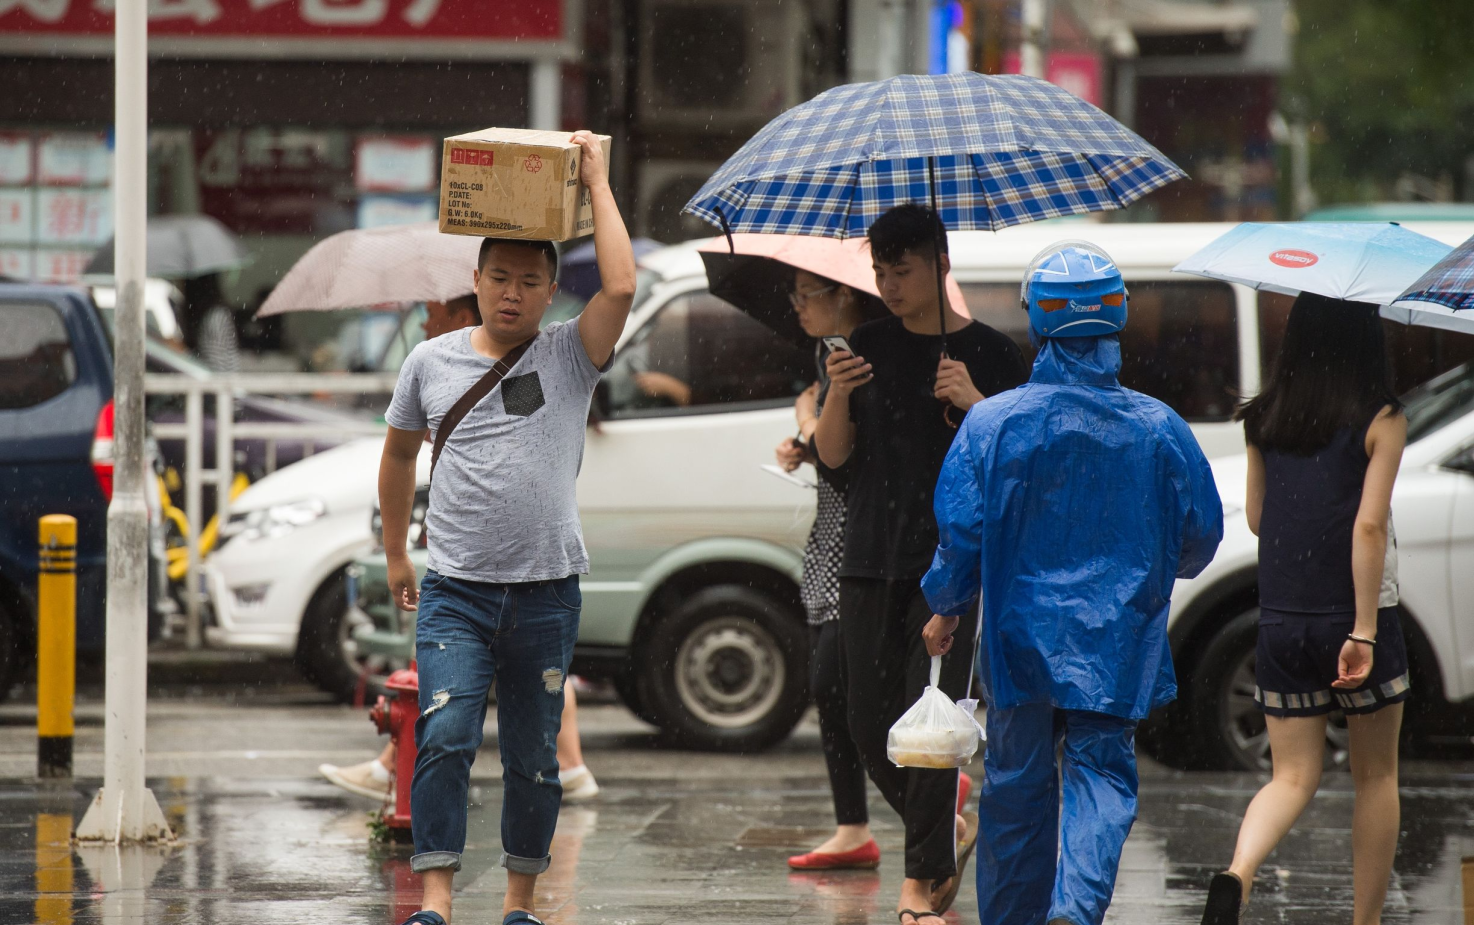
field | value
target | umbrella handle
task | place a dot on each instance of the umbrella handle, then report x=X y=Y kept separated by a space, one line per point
x=947 y=416
x=931 y=182
x=726 y=230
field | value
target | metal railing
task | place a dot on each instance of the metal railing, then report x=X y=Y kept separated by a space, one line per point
x=228 y=430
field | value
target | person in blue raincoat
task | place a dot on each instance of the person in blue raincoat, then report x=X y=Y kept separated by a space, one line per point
x=1071 y=504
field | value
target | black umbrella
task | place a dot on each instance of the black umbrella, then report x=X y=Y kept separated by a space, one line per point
x=180 y=247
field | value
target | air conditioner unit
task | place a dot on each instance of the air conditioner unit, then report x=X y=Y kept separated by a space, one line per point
x=664 y=188
x=719 y=63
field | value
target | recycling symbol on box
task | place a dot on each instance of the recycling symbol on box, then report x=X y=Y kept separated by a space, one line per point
x=533 y=164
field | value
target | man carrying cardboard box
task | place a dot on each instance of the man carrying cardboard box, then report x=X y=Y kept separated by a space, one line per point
x=500 y=601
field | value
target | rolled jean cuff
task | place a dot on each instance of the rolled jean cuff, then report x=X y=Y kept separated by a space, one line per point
x=525 y=865
x=435 y=860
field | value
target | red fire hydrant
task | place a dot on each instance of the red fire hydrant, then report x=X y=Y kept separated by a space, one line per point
x=397 y=718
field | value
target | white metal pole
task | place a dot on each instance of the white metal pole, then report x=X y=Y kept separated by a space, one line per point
x=1031 y=54
x=124 y=810
x=545 y=96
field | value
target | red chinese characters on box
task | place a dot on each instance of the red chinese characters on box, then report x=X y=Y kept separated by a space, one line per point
x=472 y=158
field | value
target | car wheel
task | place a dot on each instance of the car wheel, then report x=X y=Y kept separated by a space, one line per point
x=627 y=686
x=1230 y=726
x=726 y=670
x=327 y=653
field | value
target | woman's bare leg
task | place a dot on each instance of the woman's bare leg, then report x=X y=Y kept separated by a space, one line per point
x=1297 y=745
x=570 y=749
x=1375 y=820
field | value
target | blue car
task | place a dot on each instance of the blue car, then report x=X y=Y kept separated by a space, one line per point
x=56 y=439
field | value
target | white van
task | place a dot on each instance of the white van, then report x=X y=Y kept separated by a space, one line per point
x=692 y=602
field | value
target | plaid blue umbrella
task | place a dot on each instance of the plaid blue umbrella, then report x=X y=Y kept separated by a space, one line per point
x=1450 y=282
x=1004 y=150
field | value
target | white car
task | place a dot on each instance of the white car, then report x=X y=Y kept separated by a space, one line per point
x=275 y=580
x=1214 y=619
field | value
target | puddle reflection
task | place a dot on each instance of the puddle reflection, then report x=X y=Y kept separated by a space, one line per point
x=53 y=905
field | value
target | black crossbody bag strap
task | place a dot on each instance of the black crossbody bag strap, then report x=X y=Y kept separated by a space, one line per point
x=473 y=397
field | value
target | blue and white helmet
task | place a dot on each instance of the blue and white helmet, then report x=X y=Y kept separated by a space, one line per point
x=1073 y=289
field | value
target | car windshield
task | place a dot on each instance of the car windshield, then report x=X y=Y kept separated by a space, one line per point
x=1439 y=401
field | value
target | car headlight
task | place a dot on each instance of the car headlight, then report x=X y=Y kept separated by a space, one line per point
x=272 y=522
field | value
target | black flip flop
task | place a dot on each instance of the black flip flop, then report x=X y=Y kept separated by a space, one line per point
x=424 y=917
x=917 y=916
x=943 y=901
x=521 y=917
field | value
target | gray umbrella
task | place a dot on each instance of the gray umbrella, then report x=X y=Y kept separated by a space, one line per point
x=179 y=247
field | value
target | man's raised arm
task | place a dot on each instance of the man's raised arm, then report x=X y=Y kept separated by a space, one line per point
x=603 y=318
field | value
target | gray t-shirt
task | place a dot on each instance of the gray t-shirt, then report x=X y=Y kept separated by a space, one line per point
x=502 y=503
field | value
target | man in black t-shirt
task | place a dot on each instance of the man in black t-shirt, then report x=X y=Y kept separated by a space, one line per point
x=891 y=414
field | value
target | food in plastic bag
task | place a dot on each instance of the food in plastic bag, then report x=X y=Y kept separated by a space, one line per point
x=935 y=732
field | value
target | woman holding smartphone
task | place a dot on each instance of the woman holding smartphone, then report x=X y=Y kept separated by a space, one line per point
x=826 y=308
x=1325 y=440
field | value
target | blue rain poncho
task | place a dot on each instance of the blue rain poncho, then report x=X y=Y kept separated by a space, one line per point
x=1072 y=503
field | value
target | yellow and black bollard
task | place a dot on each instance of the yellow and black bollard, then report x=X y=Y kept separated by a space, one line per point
x=56 y=645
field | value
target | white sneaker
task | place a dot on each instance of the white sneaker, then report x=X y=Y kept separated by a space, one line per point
x=579 y=786
x=358 y=778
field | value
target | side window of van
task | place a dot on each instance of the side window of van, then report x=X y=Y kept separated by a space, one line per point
x=1414 y=353
x=1180 y=344
x=700 y=354
x=36 y=361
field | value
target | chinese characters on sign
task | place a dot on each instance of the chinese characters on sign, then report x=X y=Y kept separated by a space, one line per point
x=55 y=207
x=397 y=177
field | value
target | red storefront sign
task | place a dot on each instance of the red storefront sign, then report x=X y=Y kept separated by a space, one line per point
x=505 y=20
x=1078 y=72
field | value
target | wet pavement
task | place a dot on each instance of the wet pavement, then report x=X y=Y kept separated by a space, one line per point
x=674 y=837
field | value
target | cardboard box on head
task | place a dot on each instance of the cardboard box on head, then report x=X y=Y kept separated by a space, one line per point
x=515 y=183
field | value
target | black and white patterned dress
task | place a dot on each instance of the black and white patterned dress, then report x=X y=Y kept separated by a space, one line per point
x=820 y=588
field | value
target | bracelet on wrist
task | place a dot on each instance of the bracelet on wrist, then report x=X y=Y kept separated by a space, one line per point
x=1355 y=638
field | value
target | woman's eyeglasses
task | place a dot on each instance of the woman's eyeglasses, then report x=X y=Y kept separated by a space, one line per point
x=799 y=298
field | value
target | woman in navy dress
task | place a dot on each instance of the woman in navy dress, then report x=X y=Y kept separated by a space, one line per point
x=1325 y=441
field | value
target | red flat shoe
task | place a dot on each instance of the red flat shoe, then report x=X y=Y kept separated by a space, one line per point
x=964 y=790
x=865 y=857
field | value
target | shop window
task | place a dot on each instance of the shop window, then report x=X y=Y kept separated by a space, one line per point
x=36 y=361
x=701 y=354
x=1180 y=344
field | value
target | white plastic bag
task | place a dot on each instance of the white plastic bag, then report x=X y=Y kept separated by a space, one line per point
x=935 y=732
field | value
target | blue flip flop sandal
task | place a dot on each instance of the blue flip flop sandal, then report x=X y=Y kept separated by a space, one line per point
x=518 y=917
x=424 y=917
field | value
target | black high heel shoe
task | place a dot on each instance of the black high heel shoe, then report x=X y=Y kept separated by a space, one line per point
x=1225 y=904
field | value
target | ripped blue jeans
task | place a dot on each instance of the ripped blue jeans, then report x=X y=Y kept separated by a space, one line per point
x=469 y=634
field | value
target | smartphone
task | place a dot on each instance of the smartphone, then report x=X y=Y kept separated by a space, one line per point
x=836 y=342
